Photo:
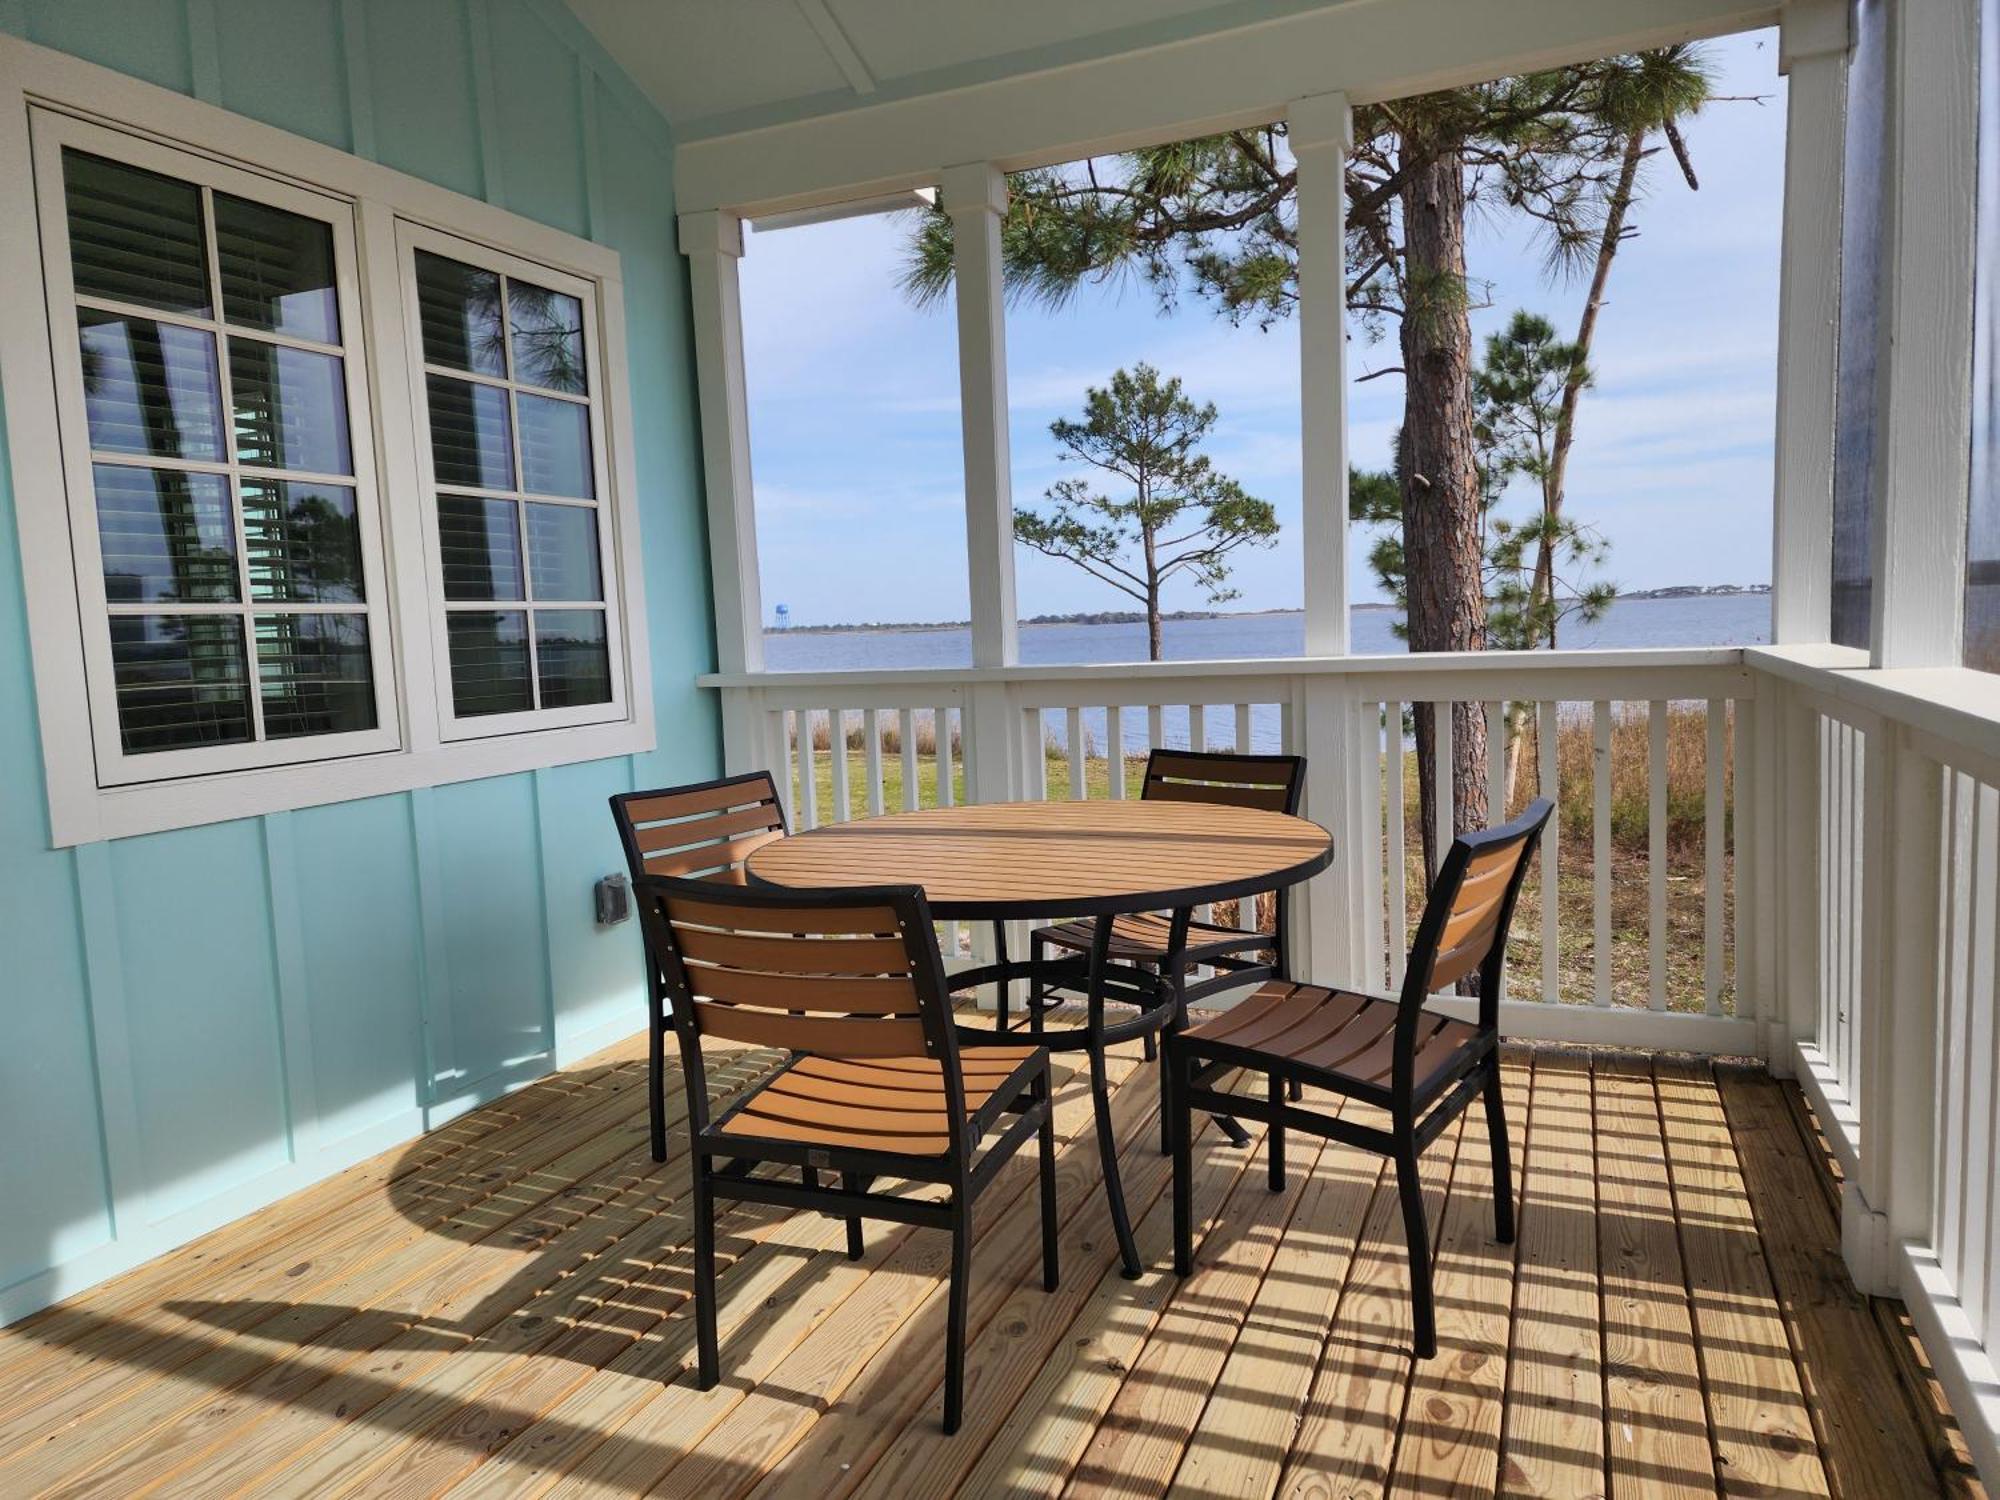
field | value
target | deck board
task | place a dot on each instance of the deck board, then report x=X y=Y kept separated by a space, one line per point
x=503 y=1309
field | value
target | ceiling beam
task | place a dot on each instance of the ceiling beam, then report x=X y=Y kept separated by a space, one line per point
x=1369 y=49
x=839 y=46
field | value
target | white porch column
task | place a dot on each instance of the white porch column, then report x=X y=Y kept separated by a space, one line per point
x=1812 y=53
x=1321 y=132
x=1923 y=421
x=975 y=195
x=713 y=243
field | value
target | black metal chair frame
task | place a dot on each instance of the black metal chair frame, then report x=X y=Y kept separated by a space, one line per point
x=635 y=861
x=966 y=1169
x=1419 y=1109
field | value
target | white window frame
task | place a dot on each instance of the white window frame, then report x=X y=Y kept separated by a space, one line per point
x=414 y=750
x=410 y=238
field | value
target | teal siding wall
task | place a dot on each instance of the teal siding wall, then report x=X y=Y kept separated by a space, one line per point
x=194 y=1023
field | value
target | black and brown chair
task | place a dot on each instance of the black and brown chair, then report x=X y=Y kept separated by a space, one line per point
x=850 y=982
x=1398 y=1054
x=1271 y=782
x=704 y=831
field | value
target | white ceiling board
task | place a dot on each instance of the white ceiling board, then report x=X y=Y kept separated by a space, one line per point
x=704 y=57
x=902 y=38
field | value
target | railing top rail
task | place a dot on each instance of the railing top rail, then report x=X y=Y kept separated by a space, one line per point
x=1392 y=665
x=1952 y=705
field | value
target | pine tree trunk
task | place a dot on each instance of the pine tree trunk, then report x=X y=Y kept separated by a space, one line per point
x=1447 y=604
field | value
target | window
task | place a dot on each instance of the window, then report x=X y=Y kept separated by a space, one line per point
x=316 y=500
x=229 y=559
x=512 y=452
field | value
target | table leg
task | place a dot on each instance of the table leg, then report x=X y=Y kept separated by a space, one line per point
x=1100 y=1093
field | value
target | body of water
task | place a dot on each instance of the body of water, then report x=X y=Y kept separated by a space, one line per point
x=1705 y=620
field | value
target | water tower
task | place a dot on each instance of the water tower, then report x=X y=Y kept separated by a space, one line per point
x=782 y=617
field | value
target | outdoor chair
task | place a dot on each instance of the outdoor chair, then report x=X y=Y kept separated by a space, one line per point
x=1272 y=782
x=850 y=982
x=1424 y=1069
x=704 y=831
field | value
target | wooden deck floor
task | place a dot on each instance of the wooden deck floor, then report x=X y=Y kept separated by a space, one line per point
x=502 y=1308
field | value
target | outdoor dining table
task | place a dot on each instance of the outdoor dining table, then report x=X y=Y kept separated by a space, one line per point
x=1002 y=862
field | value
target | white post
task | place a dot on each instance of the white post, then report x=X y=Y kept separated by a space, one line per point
x=1321 y=133
x=976 y=198
x=1812 y=53
x=713 y=243
x=1924 y=357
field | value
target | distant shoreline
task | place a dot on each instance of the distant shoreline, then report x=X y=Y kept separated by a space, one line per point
x=1132 y=617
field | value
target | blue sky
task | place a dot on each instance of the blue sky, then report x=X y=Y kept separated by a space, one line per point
x=854 y=401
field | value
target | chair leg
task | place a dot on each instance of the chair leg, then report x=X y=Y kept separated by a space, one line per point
x=1180 y=1125
x=957 y=1293
x=1107 y=1150
x=707 y=1358
x=852 y=1181
x=1275 y=1137
x=1503 y=1165
x=1174 y=1023
x=656 y=1082
x=1410 y=1188
x=1046 y=1138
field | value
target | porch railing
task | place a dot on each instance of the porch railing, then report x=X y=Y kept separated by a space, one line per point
x=1766 y=852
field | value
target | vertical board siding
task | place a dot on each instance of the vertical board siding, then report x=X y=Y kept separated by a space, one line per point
x=196 y=1022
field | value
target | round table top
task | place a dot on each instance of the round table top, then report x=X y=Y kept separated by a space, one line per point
x=1029 y=859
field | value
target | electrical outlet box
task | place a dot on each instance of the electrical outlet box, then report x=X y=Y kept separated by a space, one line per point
x=614 y=900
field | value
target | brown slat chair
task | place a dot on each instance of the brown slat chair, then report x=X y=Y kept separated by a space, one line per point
x=851 y=982
x=702 y=831
x=1422 y=1068
x=1267 y=781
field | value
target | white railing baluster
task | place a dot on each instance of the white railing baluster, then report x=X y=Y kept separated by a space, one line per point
x=1496 y=764
x=1197 y=727
x=1114 y=750
x=1656 y=854
x=788 y=726
x=1397 y=861
x=1982 y=1095
x=1156 y=727
x=808 y=772
x=871 y=744
x=1600 y=852
x=1954 y=1020
x=1246 y=909
x=906 y=724
x=1713 y=834
x=1548 y=783
x=1078 y=770
x=836 y=749
x=947 y=795
x=1444 y=783
x=1245 y=738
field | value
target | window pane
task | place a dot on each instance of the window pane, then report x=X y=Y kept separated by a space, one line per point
x=489 y=662
x=555 y=447
x=548 y=338
x=480 y=542
x=166 y=537
x=303 y=542
x=459 y=308
x=574 y=663
x=470 y=441
x=313 y=673
x=276 y=269
x=134 y=236
x=149 y=387
x=562 y=551
x=180 y=681
x=291 y=407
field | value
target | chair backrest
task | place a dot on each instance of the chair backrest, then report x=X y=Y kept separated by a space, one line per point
x=845 y=973
x=1468 y=913
x=1271 y=782
x=706 y=830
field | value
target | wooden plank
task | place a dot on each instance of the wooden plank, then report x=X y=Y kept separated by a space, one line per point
x=1763 y=1433
x=1553 y=1438
x=1449 y=1441
x=1657 y=1426
x=1097 y=1314
x=1240 y=1444
x=1139 y=1441
x=1347 y=1431
x=1867 y=1437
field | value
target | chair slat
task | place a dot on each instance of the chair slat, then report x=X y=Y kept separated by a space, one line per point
x=676 y=835
x=806 y=992
x=1268 y=798
x=786 y=921
x=703 y=858
x=784 y=955
x=686 y=803
x=827 y=1035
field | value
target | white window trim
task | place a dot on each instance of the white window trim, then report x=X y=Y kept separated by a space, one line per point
x=80 y=809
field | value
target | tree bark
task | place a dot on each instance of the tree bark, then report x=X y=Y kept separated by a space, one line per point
x=1441 y=522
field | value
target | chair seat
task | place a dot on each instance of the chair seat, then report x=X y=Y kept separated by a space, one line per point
x=893 y=1105
x=1143 y=938
x=1344 y=1039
